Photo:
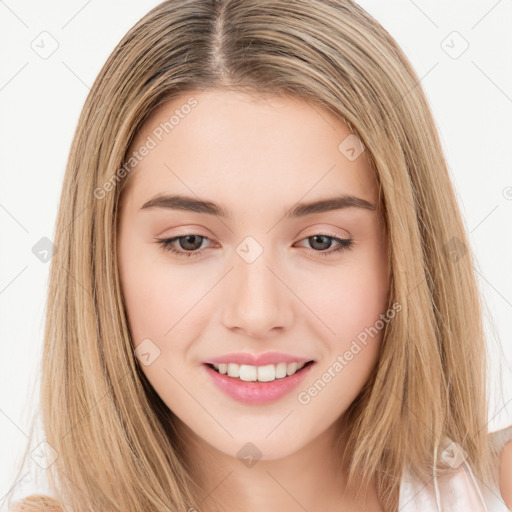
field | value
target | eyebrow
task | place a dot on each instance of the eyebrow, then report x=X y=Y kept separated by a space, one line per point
x=191 y=204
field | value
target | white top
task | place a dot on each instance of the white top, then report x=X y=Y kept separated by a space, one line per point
x=458 y=492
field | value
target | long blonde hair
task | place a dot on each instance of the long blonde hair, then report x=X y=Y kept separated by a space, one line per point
x=117 y=446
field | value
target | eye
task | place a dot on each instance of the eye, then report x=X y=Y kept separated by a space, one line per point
x=191 y=243
x=324 y=239
x=188 y=242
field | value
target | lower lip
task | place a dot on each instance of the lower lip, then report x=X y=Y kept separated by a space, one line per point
x=257 y=392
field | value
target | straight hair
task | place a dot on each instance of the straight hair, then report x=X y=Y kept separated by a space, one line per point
x=117 y=445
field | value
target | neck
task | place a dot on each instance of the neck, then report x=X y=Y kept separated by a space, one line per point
x=311 y=478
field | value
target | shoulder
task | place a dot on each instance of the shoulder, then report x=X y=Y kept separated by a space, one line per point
x=506 y=474
x=501 y=444
x=459 y=490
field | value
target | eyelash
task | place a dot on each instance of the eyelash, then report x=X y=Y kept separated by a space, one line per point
x=167 y=244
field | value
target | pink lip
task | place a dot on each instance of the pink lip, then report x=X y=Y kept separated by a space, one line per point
x=257 y=359
x=257 y=392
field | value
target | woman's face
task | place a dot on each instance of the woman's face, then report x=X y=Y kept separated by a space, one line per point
x=258 y=271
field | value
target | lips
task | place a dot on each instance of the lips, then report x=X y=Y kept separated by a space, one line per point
x=257 y=393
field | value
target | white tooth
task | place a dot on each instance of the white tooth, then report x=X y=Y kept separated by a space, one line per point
x=233 y=370
x=216 y=366
x=248 y=373
x=266 y=373
x=291 y=368
x=280 y=370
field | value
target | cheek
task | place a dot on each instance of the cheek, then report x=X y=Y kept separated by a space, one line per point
x=162 y=306
x=351 y=298
x=159 y=297
x=351 y=330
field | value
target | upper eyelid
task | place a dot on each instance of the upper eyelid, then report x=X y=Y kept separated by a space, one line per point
x=316 y=231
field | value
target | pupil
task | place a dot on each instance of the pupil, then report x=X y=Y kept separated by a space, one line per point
x=326 y=243
x=187 y=241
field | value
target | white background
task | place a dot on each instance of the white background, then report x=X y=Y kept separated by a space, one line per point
x=471 y=97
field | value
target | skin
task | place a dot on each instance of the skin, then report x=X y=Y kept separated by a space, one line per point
x=506 y=474
x=258 y=157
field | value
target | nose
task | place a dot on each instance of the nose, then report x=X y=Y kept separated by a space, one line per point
x=258 y=300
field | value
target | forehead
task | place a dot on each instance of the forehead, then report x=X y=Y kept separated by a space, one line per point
x=243 y=146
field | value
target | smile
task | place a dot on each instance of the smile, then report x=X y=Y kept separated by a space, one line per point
x=257 y=385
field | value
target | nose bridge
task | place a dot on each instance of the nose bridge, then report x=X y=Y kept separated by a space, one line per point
x=258 y=300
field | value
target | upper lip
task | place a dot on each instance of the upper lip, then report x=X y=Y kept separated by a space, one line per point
x=257 y=359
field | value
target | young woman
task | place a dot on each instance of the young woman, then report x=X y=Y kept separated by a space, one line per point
x=263 y=295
